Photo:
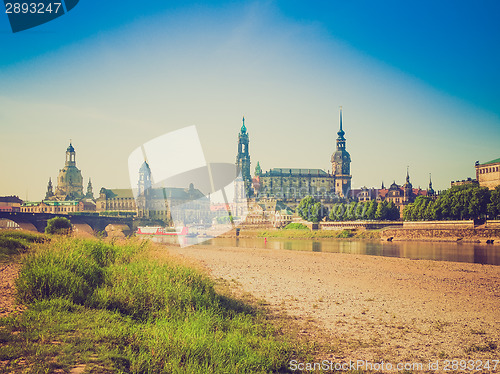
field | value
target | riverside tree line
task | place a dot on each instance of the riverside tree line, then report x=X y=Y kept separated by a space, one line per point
x=457 y=203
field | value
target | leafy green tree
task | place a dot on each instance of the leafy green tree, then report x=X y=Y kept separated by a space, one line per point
x=478 y=204
x=408 y=212
x=360 y=210
x=372 y=210
x=494 y=205
x=333 y=211
x=430 y=211
x=419 y=208
x=381 y=212
x=392 y=212
x=463 y=202
x=337 y=212
x=58 y=226
x=351 y=211
x=311 y=210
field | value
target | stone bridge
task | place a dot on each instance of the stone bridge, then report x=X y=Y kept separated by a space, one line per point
x=38 y=221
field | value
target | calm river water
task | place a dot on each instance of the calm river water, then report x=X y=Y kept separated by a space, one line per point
x=461 y=252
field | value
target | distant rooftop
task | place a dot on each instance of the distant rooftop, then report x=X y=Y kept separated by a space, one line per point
x=10 y=199
x=492 y=162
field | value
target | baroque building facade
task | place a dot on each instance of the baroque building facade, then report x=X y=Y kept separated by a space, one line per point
x=294 y=184
x=186 y=205
x=69 y=196
x=488 y=173
x=69 y=181
x=403 y=195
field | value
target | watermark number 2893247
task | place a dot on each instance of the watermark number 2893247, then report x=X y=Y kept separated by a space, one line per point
x=24 y=15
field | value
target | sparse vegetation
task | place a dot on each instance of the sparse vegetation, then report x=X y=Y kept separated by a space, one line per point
x=16 y=242
x=296 y=226
x=486 y=347
x=319 y=234
x=115 y=309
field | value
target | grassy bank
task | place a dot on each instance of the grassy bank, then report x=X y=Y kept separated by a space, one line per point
x=319 y=234
x=14 y=243
x=113 y=308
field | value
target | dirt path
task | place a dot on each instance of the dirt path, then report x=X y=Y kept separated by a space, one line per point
x=8 y=274
x=373 y=308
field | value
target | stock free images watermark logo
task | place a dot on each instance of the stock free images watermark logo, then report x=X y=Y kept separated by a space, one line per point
x=25 y=15
x=170 y=178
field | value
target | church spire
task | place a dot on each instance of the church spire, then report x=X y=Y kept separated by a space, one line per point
x=90 y=191
x=430 y=190
x=341 y=164
x=407 y=174
x=341 y=132
x=258 y=170
x=243 y=127
x=50 y=191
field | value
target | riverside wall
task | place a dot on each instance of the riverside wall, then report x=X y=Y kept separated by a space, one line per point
x=450 y=234
x=355 y=225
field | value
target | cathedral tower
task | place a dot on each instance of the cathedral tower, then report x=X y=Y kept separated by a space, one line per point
x=143 y=190
x=430 y=190
x=341 y=164
x=50 y=191
x=69 y=181
x=243 y=159
x=408 y=189
x=90 y=191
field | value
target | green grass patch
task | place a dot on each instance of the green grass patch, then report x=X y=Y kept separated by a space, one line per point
x=486 y=347
x=296 y=226
x=16 y=242
x=114 y=309
x=319 y=234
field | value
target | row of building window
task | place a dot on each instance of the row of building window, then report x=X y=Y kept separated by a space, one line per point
x=488 y=170
x=47 y=209
x=129 y=205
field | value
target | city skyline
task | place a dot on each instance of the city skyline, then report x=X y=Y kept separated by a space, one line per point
x=287 y=69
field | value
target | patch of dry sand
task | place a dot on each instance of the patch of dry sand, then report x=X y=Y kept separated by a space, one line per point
x=8 y=274
x=373 y=308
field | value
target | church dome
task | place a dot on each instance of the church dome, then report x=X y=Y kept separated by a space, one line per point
x=341 y=155
x=394 y=186
x=70 y=148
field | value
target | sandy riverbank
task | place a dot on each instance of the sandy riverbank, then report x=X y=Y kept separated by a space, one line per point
x=372 y=308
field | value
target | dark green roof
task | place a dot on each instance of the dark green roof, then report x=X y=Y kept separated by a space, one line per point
x=157 y=193
x=492 y=162
x=176 y=193
x=291 y=171
x=117 y=193
x=51 y=203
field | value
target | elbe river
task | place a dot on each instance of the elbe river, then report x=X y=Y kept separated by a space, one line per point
x=438 y=251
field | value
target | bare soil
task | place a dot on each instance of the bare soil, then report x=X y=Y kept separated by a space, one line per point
x=8 y=274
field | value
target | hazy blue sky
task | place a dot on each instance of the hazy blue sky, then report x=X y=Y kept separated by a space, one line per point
x=418 y=81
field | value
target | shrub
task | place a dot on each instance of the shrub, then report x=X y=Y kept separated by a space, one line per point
x=295 y=226
x=345 y=234
x=58 y=226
